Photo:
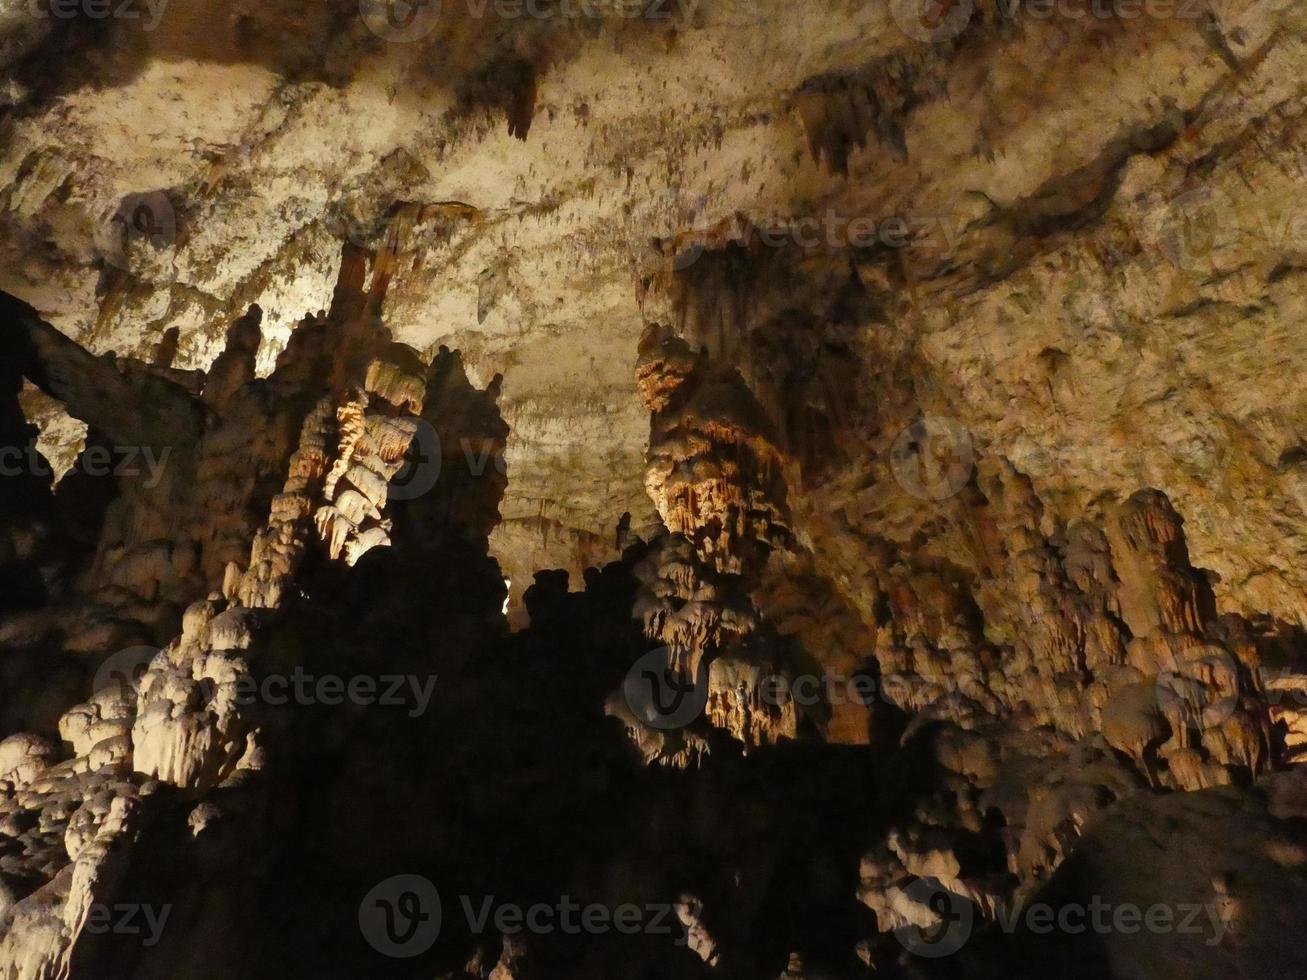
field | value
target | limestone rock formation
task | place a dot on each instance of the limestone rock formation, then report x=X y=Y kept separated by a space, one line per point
x=728 y=489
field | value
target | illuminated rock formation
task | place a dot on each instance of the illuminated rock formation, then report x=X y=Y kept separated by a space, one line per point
x=823 y=476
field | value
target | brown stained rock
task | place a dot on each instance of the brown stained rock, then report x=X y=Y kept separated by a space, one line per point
x=188 y=726
x=235 y=366
x=1159 y=590
x=1063 y=699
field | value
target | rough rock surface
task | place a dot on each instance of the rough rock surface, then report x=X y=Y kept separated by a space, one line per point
x=908 y=393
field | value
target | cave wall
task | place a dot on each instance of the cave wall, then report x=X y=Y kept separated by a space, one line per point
x=960 y=366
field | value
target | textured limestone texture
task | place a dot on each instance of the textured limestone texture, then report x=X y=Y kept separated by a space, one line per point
x=828 y=476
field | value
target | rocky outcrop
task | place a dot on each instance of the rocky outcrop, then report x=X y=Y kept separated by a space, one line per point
x=182 y=721
x=831 y=509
